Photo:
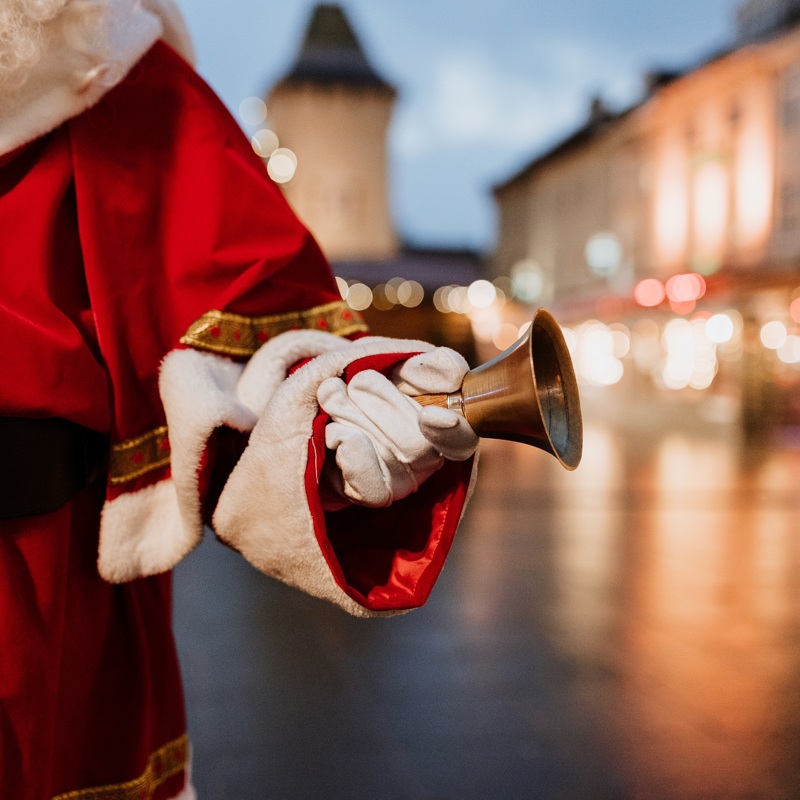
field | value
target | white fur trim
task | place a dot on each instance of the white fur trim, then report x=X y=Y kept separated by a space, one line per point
x=268 y=368
x=199 y=394
x=187 y=793
x=149 y=531
x=142 y=534
x=263 y=511
x=176 y=34
x=77 y=70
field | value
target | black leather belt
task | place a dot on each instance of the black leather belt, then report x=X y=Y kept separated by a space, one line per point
x=44 y=463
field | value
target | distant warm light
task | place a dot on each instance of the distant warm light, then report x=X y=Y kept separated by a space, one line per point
x=773 y=334
x=252 y=111
x=596 y=362
x=264 y=143
x=754 y=182
x=794 y=309
x=685 y=288
x=671 y=204
x=282 y=165
x=343 y=286
x=711 y=194
x=481 y=294
x=571 y=340
x=359 y=296
x=505 y=335
x=391 y=288
x=528 y=280
x=719 y=328
x=603 y=253
x=410 y=294
x=682 y=307
x=380 y=301
x=440 y=299
x=789 y=351
x=649 y=292
x=504 y=285
x=458 y=300
x=621 y=340
x=485 y=322
x=691 y=359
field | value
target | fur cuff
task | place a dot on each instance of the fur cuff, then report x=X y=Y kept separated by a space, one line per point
x=264 y=510
x=142 y=534
x=148 y=531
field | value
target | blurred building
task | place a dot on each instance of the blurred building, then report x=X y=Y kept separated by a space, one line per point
x=327 y=144
x=668 y=235
x=333 y=110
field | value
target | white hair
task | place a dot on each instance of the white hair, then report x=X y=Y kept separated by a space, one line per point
x=21 y=42
x=22 y=33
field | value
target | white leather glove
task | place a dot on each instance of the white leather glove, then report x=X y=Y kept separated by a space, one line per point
x=386 y=445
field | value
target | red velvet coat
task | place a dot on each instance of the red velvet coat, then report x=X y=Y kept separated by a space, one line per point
x=141 y=228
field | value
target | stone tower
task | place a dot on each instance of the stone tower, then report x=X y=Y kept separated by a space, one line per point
x=333 y=110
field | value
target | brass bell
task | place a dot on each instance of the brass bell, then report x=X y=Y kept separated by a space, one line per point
x=526 y=394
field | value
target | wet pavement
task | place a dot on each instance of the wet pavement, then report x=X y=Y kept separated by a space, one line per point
x=629 y=630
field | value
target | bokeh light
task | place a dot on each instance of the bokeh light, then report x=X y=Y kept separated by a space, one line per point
x=528 y=281
x=359 y=296
x=603 y=253
x=773 y=334
x=380 y=300
x=789 y=351
x=595 y=362
x=252 y=111
x=410 y=294
x=282 y=165
x=505 y=335
x=649 y=292
x=481 y=294
x=719 y=328
x=264 y=142
x=685 y=288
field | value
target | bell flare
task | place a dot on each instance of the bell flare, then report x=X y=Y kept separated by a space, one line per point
x=529 y=394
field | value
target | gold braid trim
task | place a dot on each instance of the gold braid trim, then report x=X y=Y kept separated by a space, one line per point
x=135 y=457
x=234 y=335
x=167 y=761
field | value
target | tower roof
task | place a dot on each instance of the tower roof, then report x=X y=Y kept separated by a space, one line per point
x=331 y=53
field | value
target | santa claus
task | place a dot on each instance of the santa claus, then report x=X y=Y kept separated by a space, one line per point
x=176 y=356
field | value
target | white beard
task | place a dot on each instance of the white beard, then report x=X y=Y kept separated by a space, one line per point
x=63 y=56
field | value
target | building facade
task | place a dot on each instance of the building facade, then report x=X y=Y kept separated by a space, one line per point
x=674 y=227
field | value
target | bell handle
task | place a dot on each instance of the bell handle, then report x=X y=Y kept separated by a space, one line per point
x=439 y=400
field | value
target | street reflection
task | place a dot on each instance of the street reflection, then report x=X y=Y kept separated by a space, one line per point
x=628 y=630
x=666 y=574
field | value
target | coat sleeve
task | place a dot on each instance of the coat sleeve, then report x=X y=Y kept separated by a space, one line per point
x=206 y=291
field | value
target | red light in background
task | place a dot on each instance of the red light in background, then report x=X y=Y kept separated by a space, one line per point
x=682 y=307
x=686 y=288
x=794 y=309
x=649 y=292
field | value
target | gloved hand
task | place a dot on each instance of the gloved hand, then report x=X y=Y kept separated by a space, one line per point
x=386 y=445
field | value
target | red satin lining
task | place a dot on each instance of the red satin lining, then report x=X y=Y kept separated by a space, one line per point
x=387 y=558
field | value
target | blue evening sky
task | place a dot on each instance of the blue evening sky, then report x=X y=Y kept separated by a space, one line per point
x=484 y=85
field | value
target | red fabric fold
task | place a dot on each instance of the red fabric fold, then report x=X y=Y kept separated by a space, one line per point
x=387 y=559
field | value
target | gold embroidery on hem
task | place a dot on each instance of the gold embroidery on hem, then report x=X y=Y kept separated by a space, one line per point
x=165 y=762
x=136 y=457
x=235 y=335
